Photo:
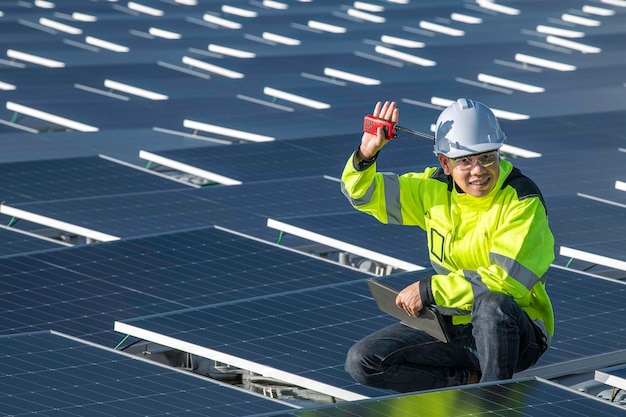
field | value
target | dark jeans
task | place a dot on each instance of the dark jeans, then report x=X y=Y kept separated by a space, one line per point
x=500 y=340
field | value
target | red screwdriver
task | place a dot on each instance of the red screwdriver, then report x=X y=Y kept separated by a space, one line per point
x=371 y=125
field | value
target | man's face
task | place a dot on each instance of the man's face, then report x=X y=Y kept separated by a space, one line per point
x=475 y=174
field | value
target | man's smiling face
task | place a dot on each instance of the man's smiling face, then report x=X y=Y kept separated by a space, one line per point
x=476 y=174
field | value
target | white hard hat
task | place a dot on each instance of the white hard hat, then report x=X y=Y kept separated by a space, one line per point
x=467 y=127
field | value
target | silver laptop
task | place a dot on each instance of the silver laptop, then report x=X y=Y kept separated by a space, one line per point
x=429 y=320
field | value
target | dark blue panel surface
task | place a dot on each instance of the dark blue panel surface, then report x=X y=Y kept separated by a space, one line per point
x=405 y=243
x=82 y=291
x=308 y=333
x=577 y=124
x=533 y=397
x=575 y=220
x=302 y=158
x=614 y=249
x=59 y=179
x=14 y=243
x=49 y=373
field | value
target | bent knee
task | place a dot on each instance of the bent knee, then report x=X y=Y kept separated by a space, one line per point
x=361 y=363
x=494 y=306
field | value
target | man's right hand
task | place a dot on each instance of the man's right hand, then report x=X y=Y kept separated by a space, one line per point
x=410 y=300
x=371 y=144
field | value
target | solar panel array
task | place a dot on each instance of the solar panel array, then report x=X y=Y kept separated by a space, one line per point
x=526 y=397
x=101 y=99
x=324 y=322
x=82 y=291
x=49 y=373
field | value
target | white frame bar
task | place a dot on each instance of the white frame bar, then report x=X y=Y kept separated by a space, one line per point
x=56 y=224
x=225 y=131
x=403 y=56
x=188 y=169
x=514 y=85
x=48 y=117
x=592 y=258
x=235 y=361
x=101 y=43
x=604 y=376
x=437 y=28
x=34 y=59
x=344 y=246
x=136 y=91
x=577 y=46
x=273 y=92
x=348 y=76
x=368 y=17
x=545 y=63
x=520 y=152
x=224 y=72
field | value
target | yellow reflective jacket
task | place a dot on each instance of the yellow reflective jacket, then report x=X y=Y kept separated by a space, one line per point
x=500 y=242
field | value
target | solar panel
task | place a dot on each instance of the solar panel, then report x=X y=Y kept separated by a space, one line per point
x=299 y=158
x=123 y=145
x=532 y=397
x=401 y=247
x=83 y=290
x=588 y=317
x=300 y=338
x=14 y=243
x=553 y=172
x=51 y=373
x=575 y=221
x=59 y=179
x=611 y=254
x=580 y=112
x=137 y=214
x=305 y=335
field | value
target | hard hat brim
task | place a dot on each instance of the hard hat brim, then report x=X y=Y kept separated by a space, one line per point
x=474 y=149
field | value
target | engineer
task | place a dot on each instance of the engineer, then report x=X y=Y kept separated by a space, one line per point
x=489 y=244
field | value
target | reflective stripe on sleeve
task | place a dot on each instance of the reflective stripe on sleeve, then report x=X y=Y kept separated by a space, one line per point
x=516 y=270
x=478 y=286
x=392 y=198
x=361 y=201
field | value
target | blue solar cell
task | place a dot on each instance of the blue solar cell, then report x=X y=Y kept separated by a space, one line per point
x=575 y=220
x=82 y=291
x=59 y=179
x=580 y=118
x=49 y=373
x=14 y=243
x=363 y=231
x=312 y=323
x=301 y=158
x=532 y=397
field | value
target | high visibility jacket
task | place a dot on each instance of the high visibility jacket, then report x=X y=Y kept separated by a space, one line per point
x=500 y=242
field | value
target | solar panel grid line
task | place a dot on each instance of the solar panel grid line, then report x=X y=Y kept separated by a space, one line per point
x=86 y=290
x=22 y=242
x=602 y=200
x=52 y=372
x=148 y=171
x=67 y=178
